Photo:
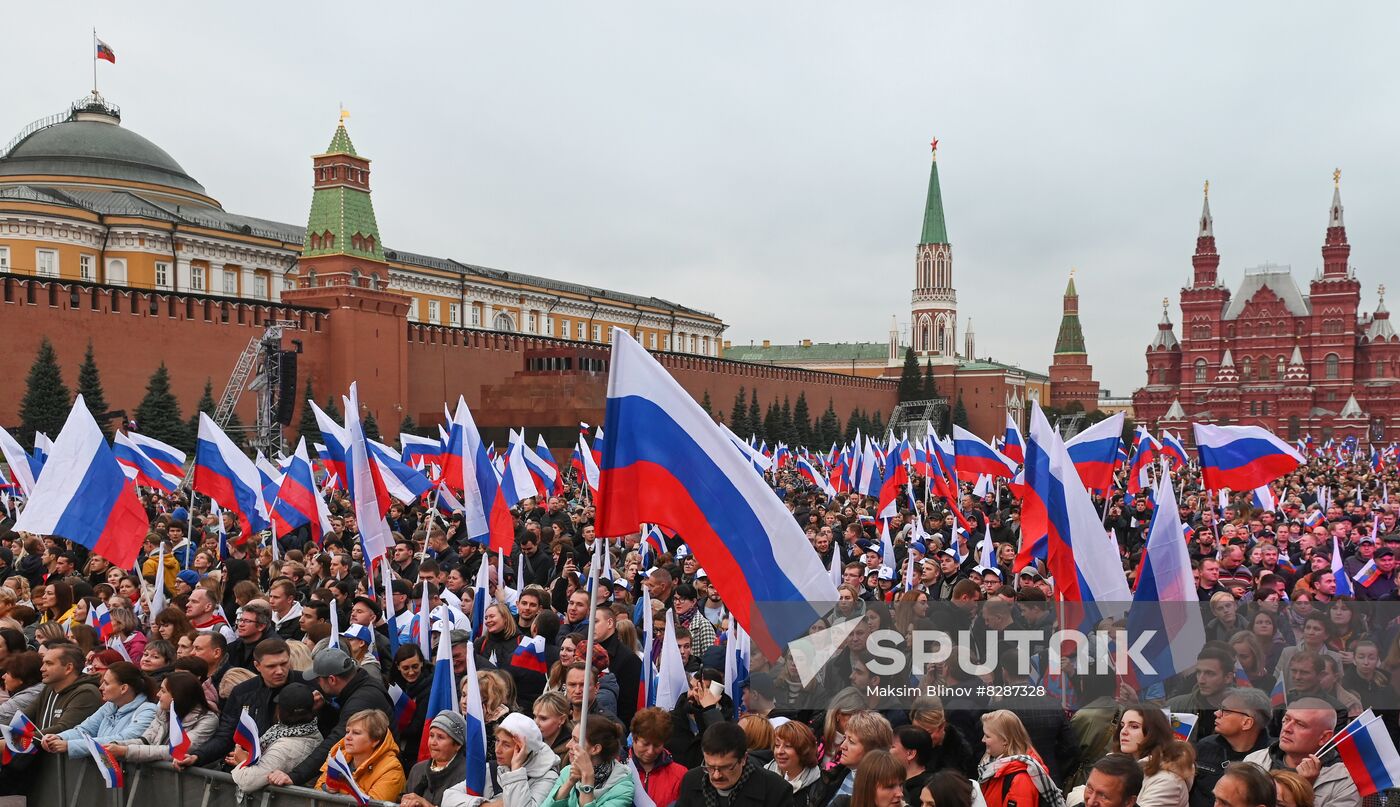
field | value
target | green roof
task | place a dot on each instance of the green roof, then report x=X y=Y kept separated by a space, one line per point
x=817 y=351
x=1069 y=290
x=977 y=365
x=935 y=228
x=340 y=143
x=1071 y=338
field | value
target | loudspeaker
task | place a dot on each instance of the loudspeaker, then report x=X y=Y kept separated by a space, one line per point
x=287 y=391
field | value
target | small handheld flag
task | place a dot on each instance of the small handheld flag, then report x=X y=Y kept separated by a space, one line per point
x=245 y=736
x=404 y=708
x=21 y=735
x=107 y=765
x=179 y=740
x=340 y=779
x=1183 y=723
x=1369 y=753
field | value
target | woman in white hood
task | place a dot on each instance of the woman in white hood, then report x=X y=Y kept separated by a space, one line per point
x=523 y=772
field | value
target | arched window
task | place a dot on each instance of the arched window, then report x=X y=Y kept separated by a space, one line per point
x=1282 y=367
x=1265 y=368
x=1200 y=371
x=1247 y=369
x=942 y=337
x=924 y=335
x=503 y=322
x=311 y=279
x=1333 y=365
x=355 y=277
x=1294 y=427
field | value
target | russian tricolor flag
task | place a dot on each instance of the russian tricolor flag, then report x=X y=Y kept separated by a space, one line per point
x=245 y=736
x=442 y=697
x=404 y=709
x=367 y=489
x=1165 y=600
x=334 y=441
x=1144 y=452
x=107 y=765
x=517 y=485
x=85 y=497
x=1367 y=574
x=1174 y=451
x=420 y=452
x=225 y=474
x=529 y=655
x=141 y=467
x=467 y=469
x=975 y=458
x=1368 y=751
x=1094 y=452
x=1242 y=457
x=401 y=480
x=544 y=469
x=179 y=741
x=297 y=497
x=666 y=461
x=1013 y=445
x=340 y=778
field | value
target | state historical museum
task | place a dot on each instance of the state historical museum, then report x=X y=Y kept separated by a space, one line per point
x=1270 y=355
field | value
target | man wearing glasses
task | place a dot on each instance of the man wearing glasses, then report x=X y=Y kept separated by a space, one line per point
x=729 y=776
x=1241 y=725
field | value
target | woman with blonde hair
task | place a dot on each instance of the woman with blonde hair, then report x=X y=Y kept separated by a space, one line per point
x=866 y=731
x=372 y=754
x=846 y=702
x=1293 y=790
x=1012 y=771
x=552 y=715
x=499 y=635
x=879 y=782
x=1168 y=764
x=758 y=731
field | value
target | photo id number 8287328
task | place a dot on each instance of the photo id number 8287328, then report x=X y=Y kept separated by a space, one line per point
x=1014 y=690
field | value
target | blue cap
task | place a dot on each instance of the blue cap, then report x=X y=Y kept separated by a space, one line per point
x=919 y=547
x=189 y=577
x=180 y=514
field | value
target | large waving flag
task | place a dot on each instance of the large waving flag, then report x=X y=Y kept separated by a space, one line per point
x=1242 y=457
x=467 y=469
x=295 y=505
x=141 y=467
x=85 y=497
x=401 y=480
x=809 y=472
x=1144 y=454
x=168 y=458
x=517 y=484
x=894 y=479
x=335 y=442
x=1057 y=505
x=1368 y=751
x=1094 y=452
x=24 y=468
x=442 y=697
x=544 y=469
x=1165 y=601
x=225 y=474
x=975 y=458
x=419 y=452
x=1174 y=451
x=1013 y=445
x=367 y=490
x=666 y=461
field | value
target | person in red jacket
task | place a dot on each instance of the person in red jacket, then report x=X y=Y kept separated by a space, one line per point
x=660 y=775
x=1012 y=772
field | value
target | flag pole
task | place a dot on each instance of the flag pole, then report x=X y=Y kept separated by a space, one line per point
x=93 y=53
x=588 y=655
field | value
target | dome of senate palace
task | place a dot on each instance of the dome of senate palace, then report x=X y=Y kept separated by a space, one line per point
x=90 y=143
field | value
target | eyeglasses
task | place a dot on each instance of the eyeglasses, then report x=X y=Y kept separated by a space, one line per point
x=1223 y=711
x=712 y=769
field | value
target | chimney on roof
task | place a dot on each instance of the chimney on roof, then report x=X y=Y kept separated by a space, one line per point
x=767 y=343
x=728 y=344
x=806 y=342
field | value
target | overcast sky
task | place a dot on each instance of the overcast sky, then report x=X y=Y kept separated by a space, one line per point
x=768 y=161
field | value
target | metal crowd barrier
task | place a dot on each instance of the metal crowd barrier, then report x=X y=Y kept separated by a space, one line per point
x=64 y=782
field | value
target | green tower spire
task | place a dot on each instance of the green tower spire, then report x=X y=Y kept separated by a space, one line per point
x=1071 y=338
x=935 y=228
x=342 y=218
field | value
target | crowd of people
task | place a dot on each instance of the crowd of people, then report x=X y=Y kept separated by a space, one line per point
x=246 y=628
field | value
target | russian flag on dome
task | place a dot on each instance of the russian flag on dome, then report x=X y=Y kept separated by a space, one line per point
x=420 y=452
x=104 y=51
x=401 y=480
x=341 y=779
x=1242 y=457
x=335 y=442
x=1013 y=444
x=442 y=697
x=225 y=474
x=245 y=736
x=107 y=765
x=85 y=497
x=1174 y=451
x=1057 y=505
x=1165 y=602
x=529 y=655
x=1094 y=452
x=543 y=468
x=975 y=458
x=168 y=458
x=295 y=505
x=137 y=466
x=1368 y=751
x=666 y=461
x=23 y=468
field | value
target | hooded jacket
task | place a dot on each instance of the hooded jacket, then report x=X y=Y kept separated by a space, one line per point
x=58 y=711
x=617 y=791
x=380 y=777
x=154 y=744
x=111 y=724
x=363 y=691
x=531 y=786
x=1333 y=787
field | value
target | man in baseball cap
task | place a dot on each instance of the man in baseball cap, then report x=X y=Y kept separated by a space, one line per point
x=339 y=680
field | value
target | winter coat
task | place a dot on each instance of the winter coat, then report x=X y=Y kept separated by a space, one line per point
x=1166 y=788
x=54 y=712
x=432 y=785
x=363 y=691
x=663 y=782
x=1334 y=786
x=278 y=755
x=531 y=786
x=1213 y=756
x=617 y=791
x=252 y=694
x=804 y=787
x=763 y=789
x=380 y=777
x=154 y=744
x=1012 y=783
x=18 y=702
x=111 y=724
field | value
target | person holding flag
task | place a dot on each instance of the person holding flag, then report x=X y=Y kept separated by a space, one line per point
x=183 y=719
x=289 y=739
x=364 y=763
x=1304 y=745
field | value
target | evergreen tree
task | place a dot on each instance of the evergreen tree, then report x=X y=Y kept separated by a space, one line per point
x=407 y=426
x=960 y=413
x=802 y=423
x=307 y=428
x=205 y=405
x=705 y=403
x=158 y=415
x=90 y=387
x=829 y=426
x=372 y=427
x=786 y=424
x=47 y=400
x=930 y=387
x=855 y=424
x=755 y=417
x=877 y=425
x=772 y=423
x=333 y=410
x=910 y=385
x=739 y=419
